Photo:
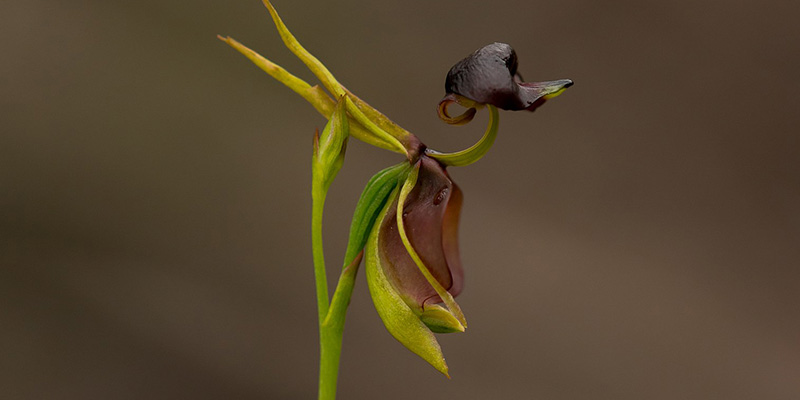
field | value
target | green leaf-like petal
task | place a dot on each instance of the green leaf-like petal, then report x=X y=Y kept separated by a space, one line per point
x=399 y=319
x=372 y=200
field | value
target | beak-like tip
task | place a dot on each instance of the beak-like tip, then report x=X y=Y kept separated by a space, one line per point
x=547 y=90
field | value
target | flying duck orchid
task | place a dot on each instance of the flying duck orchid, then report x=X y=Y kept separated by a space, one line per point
x=405 y=224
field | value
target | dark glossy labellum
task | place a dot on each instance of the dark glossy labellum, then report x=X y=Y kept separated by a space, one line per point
x=489 y=76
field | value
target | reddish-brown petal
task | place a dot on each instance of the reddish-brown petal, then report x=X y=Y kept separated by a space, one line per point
x=431 y=225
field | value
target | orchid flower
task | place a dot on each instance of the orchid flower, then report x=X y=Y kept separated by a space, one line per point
x=406 y=222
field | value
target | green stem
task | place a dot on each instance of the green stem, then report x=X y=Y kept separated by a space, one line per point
x=331 y=315
x=330 y=351
x=318 y=202
x=330 y=343
x=331 y=331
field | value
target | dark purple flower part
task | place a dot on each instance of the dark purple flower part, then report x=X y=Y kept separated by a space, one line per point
x=430 y=216
x=489 y=76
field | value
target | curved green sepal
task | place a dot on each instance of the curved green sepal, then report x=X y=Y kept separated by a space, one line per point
x=330 y=83
x=276 y=71
x=407 y=139
x=396 y=315
x=316 y=67
x=440 y=320
x=376 y=130
x=315 y=95
x=478 y=150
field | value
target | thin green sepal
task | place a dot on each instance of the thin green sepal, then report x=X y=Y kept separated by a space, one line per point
x=314 y=95
x=476 y=151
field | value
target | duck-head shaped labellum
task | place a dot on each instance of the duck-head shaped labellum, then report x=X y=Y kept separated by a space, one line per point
x=489 y=76
x=412 y=262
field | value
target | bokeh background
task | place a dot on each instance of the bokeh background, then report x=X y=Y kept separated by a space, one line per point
x=636 y=238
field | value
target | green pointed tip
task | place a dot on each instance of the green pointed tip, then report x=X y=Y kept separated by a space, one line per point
x=398 y=318
x=440 y=320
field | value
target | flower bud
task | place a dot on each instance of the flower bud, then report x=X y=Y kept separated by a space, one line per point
x=330 y=146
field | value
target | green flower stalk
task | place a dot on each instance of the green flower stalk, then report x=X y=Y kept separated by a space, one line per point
x=406 y=221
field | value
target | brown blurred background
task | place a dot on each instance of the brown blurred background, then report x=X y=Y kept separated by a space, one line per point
x=636 y=238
